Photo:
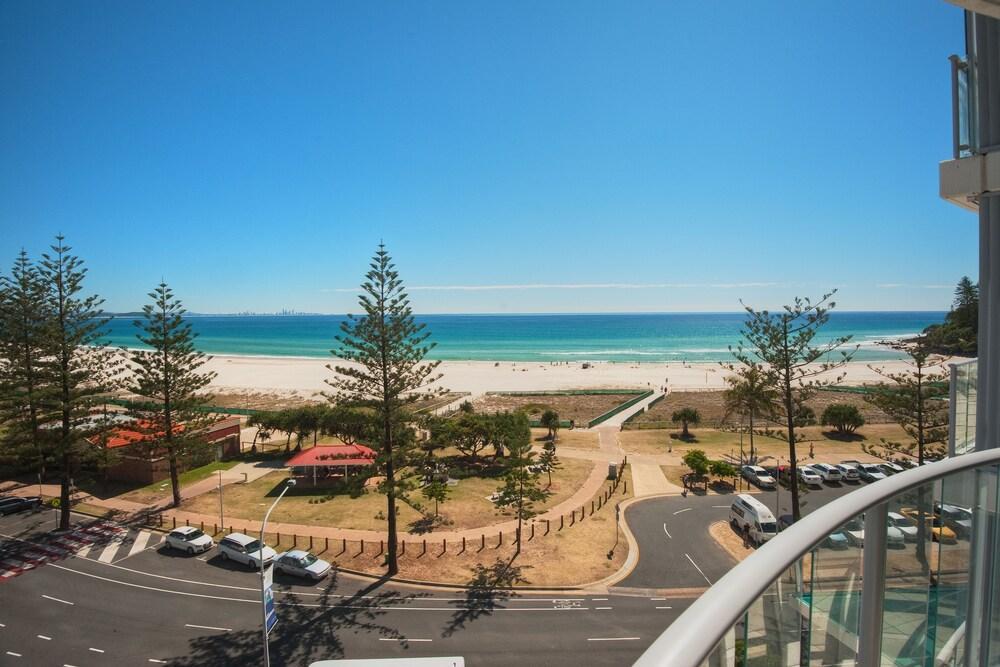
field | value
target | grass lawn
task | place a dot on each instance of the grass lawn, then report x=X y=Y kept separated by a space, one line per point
x=250 y=501
x=574 y=555
x=467 y=505
x=159 y=490
x=718 y=444
x=576 y=439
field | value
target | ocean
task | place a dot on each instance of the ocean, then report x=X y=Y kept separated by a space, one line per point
x=572 y=338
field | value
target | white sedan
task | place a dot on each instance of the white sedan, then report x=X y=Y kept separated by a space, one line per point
x=189 y=539
x=300 y=563
x=809 y=476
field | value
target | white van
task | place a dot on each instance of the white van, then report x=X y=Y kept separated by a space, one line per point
x=749 y=515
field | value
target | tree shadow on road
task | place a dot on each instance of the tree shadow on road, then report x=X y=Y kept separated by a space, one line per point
x=309 y=628
x=488 y=589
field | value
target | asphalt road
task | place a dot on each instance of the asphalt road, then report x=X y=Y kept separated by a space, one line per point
x=124 y=603
x=675 y=548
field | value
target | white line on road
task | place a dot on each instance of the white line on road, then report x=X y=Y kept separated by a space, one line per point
x=82 y=553
x=49 y=597
x=159 y=662
x=612 y=639
x=403 y=639
x=720 y=507
x=96 y=650
x=207 y=627
x=699 y=569
x=16 y=655
x=109 y=552
x=599 y=599
x=664 y=607
x=140 y=543
x=686 y=509
x=667 y=532
x=598 y=608
x=66 y=664
x=48 y=639
x=2 y=625
x=657 y=599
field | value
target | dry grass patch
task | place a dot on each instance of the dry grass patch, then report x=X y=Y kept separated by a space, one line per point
x=250 y=501
x=726 y=444
x=574 y=439
x=711 y=406
x=576 y=555
x=580 y=408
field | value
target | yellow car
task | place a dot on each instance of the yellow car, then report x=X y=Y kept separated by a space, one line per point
x=939 y=531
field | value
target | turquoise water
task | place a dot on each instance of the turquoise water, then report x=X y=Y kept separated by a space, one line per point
x=583 y=337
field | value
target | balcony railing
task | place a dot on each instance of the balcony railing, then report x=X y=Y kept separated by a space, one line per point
x=921 y=560
x=962 y=407
x=963 y=117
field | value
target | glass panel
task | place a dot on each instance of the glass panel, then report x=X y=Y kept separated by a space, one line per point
x=963 y=413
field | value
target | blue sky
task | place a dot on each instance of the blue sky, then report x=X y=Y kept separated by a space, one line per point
x=515 y=157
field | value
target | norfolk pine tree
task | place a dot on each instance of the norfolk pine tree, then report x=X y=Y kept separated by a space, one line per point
x=77 y=368
x=914 y=400
x=23 y=316
x=521 y=488
x=168 y=374
x=781 y=344
x=387 y=349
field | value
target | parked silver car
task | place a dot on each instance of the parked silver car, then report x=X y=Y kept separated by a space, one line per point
x=299 y=563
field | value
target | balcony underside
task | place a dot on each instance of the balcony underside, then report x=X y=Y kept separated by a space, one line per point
x=965 y=179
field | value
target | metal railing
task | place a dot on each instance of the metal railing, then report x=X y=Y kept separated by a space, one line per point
x=790 y=604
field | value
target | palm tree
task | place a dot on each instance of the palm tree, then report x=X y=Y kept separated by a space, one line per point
x=686 y=416
x=749 y=395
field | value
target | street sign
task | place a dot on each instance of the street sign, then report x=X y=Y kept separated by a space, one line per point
x=270 y=616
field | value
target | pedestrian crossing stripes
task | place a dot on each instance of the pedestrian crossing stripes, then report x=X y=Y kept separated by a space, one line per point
x=100 y=541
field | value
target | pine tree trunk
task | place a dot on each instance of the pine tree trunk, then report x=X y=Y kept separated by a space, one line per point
x=175 y=482
x=391 y=561
x=793 y=477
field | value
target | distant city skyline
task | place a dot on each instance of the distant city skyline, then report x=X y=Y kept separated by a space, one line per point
x=514 y=158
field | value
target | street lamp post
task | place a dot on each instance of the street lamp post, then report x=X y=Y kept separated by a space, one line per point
x=263 y=602
x=222 y=519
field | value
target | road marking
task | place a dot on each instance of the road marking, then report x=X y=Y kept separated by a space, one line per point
x=612 y=639
x=159 y=662
x=49 y=597
x=16 y=655
x=600 y=608
x=699 y=569
x=599 y=599
x=667 y=532
x=720 y=507
x=140 y=543
x=82 y=553
x=207 y=627
x=686 y=509
x=109 y=552
x=66 y=664
x=48 y=639
x=657 y=599
x=664 y=607
x=96 y=650
x=403 y=639
x=2 y=625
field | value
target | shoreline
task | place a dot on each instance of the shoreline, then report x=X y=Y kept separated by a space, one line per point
x=307 y=374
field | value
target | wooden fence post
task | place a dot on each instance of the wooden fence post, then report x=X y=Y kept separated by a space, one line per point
x=591 y=508
x=310 y=543
x=203 y=526
x=532 y=536
x=444 y=546
x=500 y=541
x=187 y=522
x=562 y=520
x=343 y=546
x=463 y=546
x=483 y=545
x=424 y=549
x=362 y=548
x=546 y=527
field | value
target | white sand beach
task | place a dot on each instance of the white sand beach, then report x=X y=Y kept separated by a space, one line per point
x=284 y=374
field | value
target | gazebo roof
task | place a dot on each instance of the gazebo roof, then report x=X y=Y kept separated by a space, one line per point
x=332 y=455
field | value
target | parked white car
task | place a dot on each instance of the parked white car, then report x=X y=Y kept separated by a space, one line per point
x=905 y=524
x=848 y=472
x=870 y=472
x=759 y=476
x=189 y=539
x=828 y=472
x=299 y=563
x=890 y=468
x=246 y=550
x=809 y=476
x=855 y=531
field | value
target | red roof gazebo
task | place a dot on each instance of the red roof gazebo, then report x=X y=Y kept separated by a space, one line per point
x=332 y=456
